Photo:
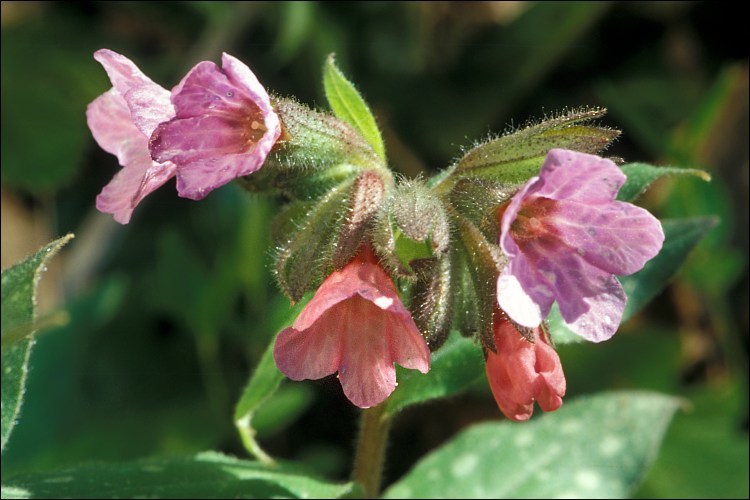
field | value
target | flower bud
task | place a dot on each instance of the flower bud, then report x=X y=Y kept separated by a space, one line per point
x=319 y=237
x=411 y=229
x=484 y=261
x=432 y=301
x=523 y=369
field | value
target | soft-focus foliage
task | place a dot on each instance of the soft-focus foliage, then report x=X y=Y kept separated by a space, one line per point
x=169 y=315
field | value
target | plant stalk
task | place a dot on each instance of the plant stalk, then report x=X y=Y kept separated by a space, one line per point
x=370 y=454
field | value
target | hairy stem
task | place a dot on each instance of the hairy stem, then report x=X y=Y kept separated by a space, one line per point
x=370 y=454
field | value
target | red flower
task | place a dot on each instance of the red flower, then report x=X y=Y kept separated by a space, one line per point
x=522 y=372
x=357 y=326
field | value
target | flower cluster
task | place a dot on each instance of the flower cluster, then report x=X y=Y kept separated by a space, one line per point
x=214 y=126
x=484 y=252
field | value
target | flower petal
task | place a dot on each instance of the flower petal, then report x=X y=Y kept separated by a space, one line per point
x=149 y=103
x=109 y=119
x=550 y=384
x=616 y=237
x=570 y=175
x=407 y=346
x=366 y=371
x=510 y=388
x=203 y=176
x=523 y=293
x=312 y=353
x=594 y=308
x=242 y=77
x=507 y=243
x=510 y=371
x=591 y=300
x=361 y=277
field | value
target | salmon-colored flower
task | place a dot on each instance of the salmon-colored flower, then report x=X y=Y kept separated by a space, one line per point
x=566 y=237
x=355 y=325
x=523 y=371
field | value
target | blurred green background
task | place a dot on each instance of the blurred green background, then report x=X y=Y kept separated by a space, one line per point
x=169 y=314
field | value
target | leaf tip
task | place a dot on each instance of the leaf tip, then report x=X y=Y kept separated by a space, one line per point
x=702 y=174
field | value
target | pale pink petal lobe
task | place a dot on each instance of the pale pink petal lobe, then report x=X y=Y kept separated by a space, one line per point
x=616 y=237
x=149 y=103
x=110 y=124
x=407 y=346
x=570 y=175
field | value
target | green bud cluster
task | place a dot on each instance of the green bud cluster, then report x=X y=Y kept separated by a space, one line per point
x=436 y=237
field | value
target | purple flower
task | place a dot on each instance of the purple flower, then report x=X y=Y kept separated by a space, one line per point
x=355 y=325
x=121 y=121
x=223 y=129
x=566 y=238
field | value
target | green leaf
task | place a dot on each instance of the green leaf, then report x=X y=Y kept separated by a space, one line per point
x=705 y=451
x=455 y=367
x=284 y=408
x=680 y=237
x=206 y=475
x=18 y=314
x=348 y=105
x=641 y=175
x=263 y=383
x=11 y=492
x=596 y=447
x=514 y=158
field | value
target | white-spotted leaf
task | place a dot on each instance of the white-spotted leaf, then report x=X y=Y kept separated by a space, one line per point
x=595 y=447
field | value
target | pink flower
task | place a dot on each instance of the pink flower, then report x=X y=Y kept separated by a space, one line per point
x=121 y=121
x=522 y=372
x=357 y=326
x=223 y=129
x=566 y=238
